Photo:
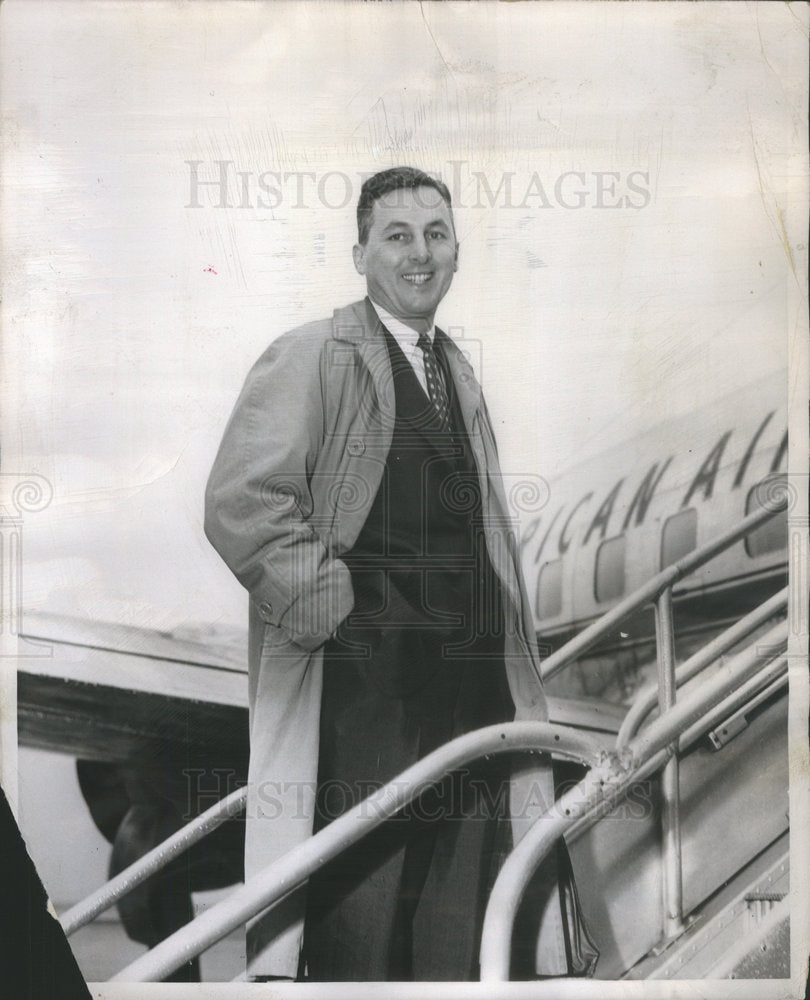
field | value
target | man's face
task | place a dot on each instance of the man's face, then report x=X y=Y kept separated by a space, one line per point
x=410 y=255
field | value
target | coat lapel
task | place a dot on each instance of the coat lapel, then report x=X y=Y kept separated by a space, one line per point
x=360 y=325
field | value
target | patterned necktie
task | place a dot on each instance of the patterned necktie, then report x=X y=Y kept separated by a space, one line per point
x=435 y=382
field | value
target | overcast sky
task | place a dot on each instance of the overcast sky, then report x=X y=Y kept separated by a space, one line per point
x=628 y=181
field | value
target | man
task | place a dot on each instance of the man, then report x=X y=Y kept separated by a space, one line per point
x=357 y=496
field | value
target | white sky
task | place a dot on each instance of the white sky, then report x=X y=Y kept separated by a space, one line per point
x=130 y=319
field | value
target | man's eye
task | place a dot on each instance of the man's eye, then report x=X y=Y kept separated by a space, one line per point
x=437 y=235
x=397 y=236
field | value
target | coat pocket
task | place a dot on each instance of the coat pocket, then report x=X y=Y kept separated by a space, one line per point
x=273 y=636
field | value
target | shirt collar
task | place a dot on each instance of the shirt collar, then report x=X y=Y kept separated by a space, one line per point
x=401 y=332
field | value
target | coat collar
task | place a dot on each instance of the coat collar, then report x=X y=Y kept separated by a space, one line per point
x=359 y=324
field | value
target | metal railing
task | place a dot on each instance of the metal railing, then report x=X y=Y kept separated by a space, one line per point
x=294 y=868
x=153 y=861
x=652 y=590
x=678 y=724
x=703 y=658
x=658 y=592
x=604 y=786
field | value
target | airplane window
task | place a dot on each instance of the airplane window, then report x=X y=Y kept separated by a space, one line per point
x=549 y=590
x=609 y=582
x=772 y=536
x=679 y=536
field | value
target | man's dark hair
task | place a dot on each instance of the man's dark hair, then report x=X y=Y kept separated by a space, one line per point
x=395 y=179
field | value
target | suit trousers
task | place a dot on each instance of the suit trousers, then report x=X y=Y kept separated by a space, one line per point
x=407 y=901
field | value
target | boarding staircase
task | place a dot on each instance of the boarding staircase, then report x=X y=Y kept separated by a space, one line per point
x=678 y=830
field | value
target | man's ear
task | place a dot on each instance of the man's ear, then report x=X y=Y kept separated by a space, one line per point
x=359 y=255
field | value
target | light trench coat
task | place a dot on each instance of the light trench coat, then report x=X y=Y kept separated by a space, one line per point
x=295 y=476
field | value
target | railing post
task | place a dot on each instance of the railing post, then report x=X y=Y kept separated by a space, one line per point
x=673 y=923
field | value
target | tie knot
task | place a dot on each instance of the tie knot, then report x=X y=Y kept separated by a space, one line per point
x=424 y=342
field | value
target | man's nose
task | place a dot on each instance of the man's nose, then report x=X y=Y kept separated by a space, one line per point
x=420 y=249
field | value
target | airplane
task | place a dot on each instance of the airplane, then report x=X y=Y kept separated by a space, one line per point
x=614 y=521
x=158 y=720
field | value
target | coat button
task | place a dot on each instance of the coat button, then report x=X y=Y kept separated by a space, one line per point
x=356 y=446
x=266 y=610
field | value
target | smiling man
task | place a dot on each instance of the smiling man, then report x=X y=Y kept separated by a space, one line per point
x=407 y=249
x=357 y=496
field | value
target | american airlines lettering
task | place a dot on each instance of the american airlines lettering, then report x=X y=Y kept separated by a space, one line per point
x=579 y=519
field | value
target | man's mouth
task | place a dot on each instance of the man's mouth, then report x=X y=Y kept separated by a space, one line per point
x=418 y=278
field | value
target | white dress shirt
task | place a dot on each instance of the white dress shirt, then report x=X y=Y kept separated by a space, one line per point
x=407 y=339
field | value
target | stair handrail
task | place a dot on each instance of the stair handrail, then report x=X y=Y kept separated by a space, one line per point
x=772 y=677
x=654 y=587
x=153 y=861
x=603 y=787
x=658 y=589
x=610 y=782
x=704 y=657
x=285 y=874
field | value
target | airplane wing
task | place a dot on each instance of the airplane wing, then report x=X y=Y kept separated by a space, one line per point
x=104 y=691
